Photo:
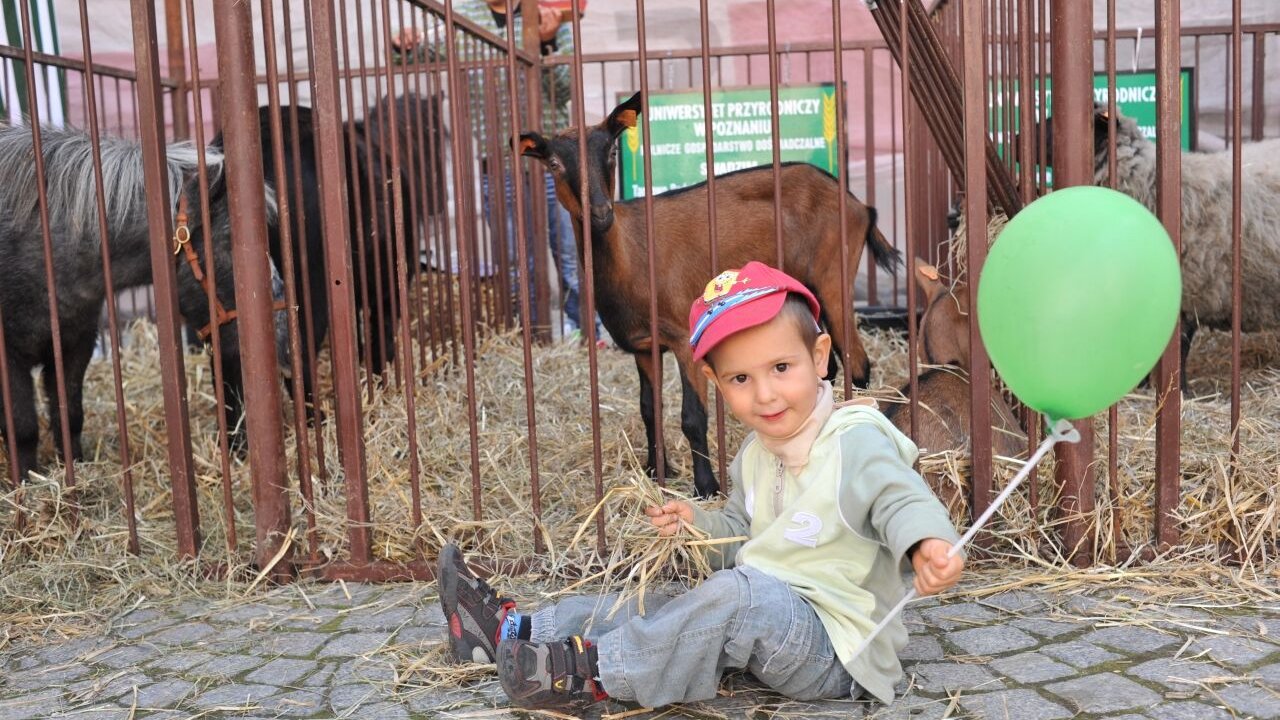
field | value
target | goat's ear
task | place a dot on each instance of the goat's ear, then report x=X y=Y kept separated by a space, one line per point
x=624 y=116
x=929 y=279
x=532 y=145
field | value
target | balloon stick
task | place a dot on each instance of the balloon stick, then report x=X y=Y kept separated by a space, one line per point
x=1062 y=431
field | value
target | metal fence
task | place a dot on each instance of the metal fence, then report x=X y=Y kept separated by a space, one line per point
x=350 y=227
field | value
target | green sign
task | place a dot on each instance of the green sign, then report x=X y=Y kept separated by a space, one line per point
x=742 y=128
x=1135 y=98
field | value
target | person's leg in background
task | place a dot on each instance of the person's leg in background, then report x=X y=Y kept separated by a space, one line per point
x=512 y=240
x=564 y=251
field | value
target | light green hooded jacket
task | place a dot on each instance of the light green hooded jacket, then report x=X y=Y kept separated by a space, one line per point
x=843 y=533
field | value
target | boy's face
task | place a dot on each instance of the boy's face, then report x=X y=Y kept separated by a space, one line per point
x=768 y=377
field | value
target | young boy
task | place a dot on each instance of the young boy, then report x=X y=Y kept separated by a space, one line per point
x=831 y=505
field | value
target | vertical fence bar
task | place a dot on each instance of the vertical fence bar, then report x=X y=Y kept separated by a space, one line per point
x=845 y=316
x=869 y=127
x=256 y=324
x=298 y=210
x=908 y=203
x=975 y=136
x=1257 y=121
x=338 y=275
x=159 y=226
x=176 y=68
x=1237 y=287
x=459 y=89
x=1169 y=207
x=215 y=338
x=655 y=350
x=586 y=275
x=710 y=151
x=286 y=209
x=1071 y=41
x=774 y=132
x=113 y=324
x=1113 y=413
x=526 y=328
x=59 y=366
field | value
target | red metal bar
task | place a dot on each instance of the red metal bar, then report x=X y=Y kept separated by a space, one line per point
x=338 y=269
x=775 y=137
x=159 y=225
x=1237 y=287
x=219 y=392
x=113 y=324
x=405 y=342
x=1169 y=206
x=849 y=327
x=869 y=143
x=655 y=352
x=1257 y=123
x=458 y=89
x=176 y=68
x=975 y=135
x=299 y=210
x=533 y=96
x=55 y=323
x=722 y=457
x=256 y=326
x=586 y=276
x=908 y=203
x=363 y=188
x=526 y=328
x=1113 y=414
x=286 y=208
x=1073 y=165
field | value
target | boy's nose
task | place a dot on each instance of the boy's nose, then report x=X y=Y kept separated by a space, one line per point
x=764 y=392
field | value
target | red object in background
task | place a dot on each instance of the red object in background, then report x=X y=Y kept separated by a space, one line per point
x=565 y=7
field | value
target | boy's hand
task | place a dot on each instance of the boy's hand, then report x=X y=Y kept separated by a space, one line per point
x=668 y=516
x=935 y=571
x=548 y=23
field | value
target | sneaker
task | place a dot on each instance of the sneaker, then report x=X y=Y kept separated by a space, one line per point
x=554 y=675
x=474 y=611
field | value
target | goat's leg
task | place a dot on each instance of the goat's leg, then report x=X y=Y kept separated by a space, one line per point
x=693 y=421
x=833 y=318
x=75 y=359
x=644 y=367
x=26 y=426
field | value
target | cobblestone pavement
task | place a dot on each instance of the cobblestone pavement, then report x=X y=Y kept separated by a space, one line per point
x=361 y=651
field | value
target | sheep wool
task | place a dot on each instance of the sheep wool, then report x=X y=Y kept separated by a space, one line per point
x=1206 y=223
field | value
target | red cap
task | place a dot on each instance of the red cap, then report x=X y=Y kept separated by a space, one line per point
x=738 y=299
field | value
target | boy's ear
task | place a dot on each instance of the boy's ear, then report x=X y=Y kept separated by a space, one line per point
x=822 y=354
x=709 y=373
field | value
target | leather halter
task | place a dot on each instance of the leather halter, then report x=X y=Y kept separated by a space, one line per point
x=182 y=243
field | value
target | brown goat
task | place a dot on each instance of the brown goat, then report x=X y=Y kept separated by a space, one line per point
x=943 y=393
x=745 y=232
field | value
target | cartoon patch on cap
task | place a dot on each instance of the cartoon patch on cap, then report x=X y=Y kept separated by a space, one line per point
x=721 y=285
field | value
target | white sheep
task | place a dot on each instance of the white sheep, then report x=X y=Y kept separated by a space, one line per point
x=1206 y=222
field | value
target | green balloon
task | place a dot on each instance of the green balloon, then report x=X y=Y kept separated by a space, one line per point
x=1078 y=298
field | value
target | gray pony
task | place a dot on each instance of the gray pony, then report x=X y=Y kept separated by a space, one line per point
x=78 y=270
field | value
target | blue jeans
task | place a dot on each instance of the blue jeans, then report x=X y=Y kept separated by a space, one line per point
x=738 y=618
x=564 y=250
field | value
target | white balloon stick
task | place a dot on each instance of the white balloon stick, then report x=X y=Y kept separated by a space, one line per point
x=1062 y=431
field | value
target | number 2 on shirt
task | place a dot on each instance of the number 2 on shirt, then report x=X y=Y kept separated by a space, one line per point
x=805 y=532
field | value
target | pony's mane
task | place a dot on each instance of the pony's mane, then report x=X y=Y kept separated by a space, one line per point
x=70 y=179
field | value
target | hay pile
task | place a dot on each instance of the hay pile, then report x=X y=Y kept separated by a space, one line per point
x=61 y=575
